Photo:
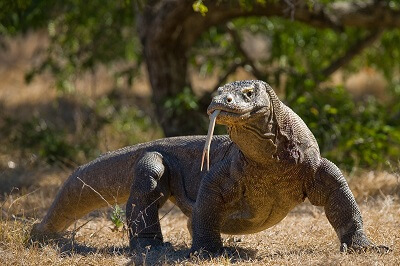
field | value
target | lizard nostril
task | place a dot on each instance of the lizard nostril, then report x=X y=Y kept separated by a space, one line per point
x=229 y=99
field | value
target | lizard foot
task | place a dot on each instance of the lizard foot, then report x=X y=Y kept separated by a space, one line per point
x=206 y=252
x=381 y=249
x=150 y=254
x=141 y=244
x=226 y=252
x=359 y=243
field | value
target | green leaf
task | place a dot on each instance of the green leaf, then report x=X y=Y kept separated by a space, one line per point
x=117 y=216
x=198 y=6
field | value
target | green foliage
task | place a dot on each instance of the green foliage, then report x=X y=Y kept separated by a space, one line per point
x=198 y=6
x=23 y=15
x=363 y=134
x=117 y=216
x=214 y=51
x=183 y=102
x=41 y=137
x=185 y=106
x=111 y=120
x=85 y=35
x=384 y=56
x=125 y=122
x=351 y=134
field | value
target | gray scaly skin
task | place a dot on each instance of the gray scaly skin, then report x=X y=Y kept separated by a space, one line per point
x=269 y=163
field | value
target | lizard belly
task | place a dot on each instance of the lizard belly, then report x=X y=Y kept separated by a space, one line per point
x=262 y=206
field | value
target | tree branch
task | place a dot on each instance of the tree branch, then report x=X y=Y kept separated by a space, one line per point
x=230 y=70
x=206 y=98
x=236 y=40
x=370 y=14
x=354 y=50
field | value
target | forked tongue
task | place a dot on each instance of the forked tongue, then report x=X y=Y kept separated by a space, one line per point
x=206 y=150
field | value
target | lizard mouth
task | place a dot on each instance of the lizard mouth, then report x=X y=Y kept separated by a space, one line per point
x=221 y=113
x=213 y=112
x=227 y=116
x=228 y=111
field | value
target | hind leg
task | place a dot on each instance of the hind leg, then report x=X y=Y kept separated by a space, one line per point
x=148 y=193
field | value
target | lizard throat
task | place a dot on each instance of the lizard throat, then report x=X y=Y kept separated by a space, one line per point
x=257 y=139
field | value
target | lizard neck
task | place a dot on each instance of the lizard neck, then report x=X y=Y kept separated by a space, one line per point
x=257 y=139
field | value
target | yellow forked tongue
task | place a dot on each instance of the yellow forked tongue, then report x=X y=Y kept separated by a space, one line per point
x=206 y=150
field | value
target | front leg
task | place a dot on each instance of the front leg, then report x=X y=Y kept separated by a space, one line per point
x=148 y=194
x=329 y=188
x=210 y=209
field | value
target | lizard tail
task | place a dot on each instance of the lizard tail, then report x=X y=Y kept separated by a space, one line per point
x=82 y=192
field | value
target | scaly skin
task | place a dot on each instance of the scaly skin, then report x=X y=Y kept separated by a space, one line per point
x=269 y=163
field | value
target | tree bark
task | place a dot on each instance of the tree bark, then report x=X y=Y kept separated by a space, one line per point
x=162 y=35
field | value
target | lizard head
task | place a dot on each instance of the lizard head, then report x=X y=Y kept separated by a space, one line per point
x=247 y=108
x=240 y=101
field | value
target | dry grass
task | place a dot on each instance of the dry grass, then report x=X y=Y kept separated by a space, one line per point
x=303 y=237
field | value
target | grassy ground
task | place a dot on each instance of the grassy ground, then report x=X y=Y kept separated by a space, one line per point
x=303 y=237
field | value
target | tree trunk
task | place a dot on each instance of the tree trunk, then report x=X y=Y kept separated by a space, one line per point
x=161 y=32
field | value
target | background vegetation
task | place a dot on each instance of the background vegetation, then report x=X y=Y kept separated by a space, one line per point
x=298 y=60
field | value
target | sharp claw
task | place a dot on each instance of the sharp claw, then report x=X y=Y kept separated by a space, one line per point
x=343 y=248
x=383 y=249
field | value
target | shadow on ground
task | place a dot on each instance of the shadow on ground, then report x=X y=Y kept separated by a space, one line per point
x=167 y=254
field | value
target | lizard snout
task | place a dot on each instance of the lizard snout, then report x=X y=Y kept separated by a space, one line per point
x=224 y=102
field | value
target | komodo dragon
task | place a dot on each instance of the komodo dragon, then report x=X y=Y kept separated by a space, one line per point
x=269 y=163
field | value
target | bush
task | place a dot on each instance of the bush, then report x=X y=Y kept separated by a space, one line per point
x=112 y=124
x=39 y=136
x=349 y=133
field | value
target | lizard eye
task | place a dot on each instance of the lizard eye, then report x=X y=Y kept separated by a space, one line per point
x=248 y=92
